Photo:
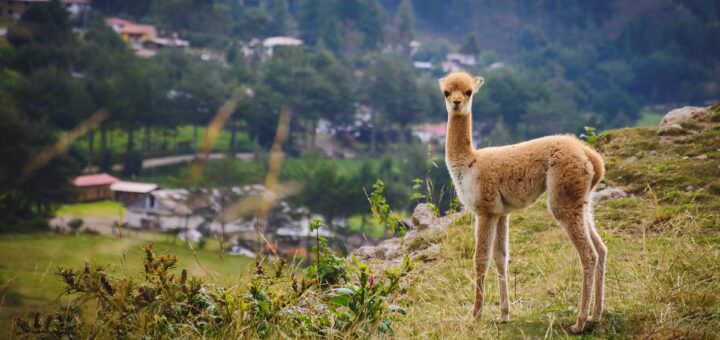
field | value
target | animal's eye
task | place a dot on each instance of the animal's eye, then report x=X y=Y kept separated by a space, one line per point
x=468 y=93
x=446 y=93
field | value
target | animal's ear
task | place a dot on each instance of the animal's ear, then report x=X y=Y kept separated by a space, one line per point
x=478 y=82
x=441 y=81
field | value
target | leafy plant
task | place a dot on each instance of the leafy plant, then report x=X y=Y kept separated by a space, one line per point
x=382 y=212
x=278 y=301
x=418 y=195
x=590 y=135
x=328 y=268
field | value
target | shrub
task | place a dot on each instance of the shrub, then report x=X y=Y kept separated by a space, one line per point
x=279 y=300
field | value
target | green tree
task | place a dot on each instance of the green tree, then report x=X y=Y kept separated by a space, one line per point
x=405 y=25
x=470 y=46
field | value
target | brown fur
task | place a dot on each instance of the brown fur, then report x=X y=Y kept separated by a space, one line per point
x=494 y=181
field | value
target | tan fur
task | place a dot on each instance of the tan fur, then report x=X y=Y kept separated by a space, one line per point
x=494 y=181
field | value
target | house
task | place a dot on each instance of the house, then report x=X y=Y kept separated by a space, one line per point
x=269 y=44
x=430 y=132
x=94 y=187
x=13 y=9
x=461 y=58
x=423 y=65
x=129 y=192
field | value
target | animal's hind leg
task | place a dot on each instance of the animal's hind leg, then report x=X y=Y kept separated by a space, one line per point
x=600 y=269
x=574 y=224
x=568 y=195
x=501 y=254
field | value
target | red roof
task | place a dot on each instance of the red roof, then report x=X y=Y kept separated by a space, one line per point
x=118 y=22
x=93 y=180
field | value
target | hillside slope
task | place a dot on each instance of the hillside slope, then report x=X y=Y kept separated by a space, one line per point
x=663 y=270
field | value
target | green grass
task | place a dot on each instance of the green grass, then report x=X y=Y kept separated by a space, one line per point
x=167 y=142
x=101 y=208
x=649 y=119
x=28 y=263
x=371 y=228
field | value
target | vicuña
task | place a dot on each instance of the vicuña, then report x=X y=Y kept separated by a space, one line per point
x=493 y=182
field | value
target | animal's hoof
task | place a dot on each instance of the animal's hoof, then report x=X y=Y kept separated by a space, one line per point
x=595 y=319
x=575 y=329
x=504 y=319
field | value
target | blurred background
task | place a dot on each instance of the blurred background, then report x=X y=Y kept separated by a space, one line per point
x=135 y=120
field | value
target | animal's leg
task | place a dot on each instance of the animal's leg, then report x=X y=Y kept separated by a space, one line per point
x=568 y=186
x=485 y=226
x=573 y=221
x=501 y=255
x=600 y=269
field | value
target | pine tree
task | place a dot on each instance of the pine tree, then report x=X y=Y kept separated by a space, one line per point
x=470 y=46
x=405 y=25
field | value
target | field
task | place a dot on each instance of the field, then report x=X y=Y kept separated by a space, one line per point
x=102 y=208
x=29 y=263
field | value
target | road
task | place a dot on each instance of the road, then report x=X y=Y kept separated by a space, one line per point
x=170 y=160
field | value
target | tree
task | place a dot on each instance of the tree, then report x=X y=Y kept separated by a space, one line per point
x=372 y=22
x=281 y=18
x=405 y=25
x=26 y=194
x=470 y=46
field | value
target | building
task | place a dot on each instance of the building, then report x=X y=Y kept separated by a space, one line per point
x=94 y=187
x=13 y=9
x=430 y=132
x=269 y=44
x=129 y=192
x=144 y=39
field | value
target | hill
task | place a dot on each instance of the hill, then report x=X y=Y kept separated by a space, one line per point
x=663 y=240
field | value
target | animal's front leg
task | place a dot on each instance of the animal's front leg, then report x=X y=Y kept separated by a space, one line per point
x=485 y=226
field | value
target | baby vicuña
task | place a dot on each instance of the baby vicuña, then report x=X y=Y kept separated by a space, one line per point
x=492 y=182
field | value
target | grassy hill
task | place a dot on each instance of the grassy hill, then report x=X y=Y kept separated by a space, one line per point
x=663 y=272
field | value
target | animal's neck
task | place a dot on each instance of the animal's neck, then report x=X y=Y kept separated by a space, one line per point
x=458 y=143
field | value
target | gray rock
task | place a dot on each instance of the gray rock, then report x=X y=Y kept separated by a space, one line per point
x=673 y=119
x=609 y=193
x=701 y=157
x=631 y=159
x=423 y=216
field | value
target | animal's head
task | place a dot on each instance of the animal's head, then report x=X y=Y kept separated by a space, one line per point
x=458 y=89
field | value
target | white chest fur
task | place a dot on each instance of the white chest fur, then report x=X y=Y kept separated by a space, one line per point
x=462 y=177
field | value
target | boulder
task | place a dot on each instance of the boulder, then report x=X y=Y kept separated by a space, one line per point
x=423 y=216
x=673 y=120
x=609 y=193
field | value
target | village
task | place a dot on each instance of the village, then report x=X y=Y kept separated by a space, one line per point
x=193 y=214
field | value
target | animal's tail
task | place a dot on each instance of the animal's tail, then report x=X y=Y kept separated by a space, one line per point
x=598 y=165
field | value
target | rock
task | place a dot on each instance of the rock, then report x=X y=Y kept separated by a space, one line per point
x=673 y=119
x=609 y=193
x=652 y=153
x=701 y=157
x=632 y=159
x=423 y=216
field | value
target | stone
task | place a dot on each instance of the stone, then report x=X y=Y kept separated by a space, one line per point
x=674 y=119
x=423 y=216
x=701 y=157
x=632 y=159
x=609 y=193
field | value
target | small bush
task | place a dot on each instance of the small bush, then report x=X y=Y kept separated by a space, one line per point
x=278 y=301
